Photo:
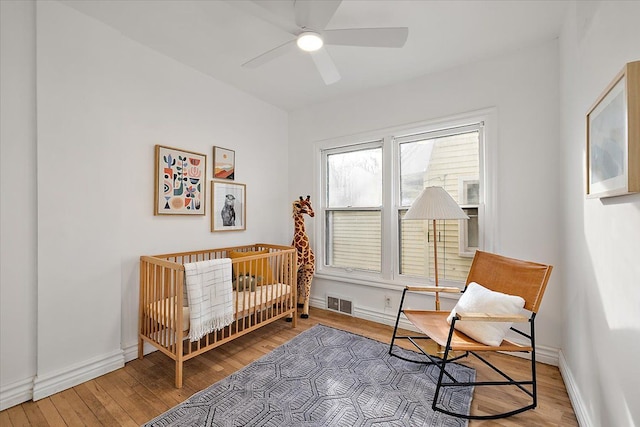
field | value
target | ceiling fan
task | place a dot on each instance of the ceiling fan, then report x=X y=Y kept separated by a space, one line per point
x=310 y=18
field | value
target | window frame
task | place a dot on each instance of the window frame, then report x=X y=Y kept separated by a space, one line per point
x=389 y=277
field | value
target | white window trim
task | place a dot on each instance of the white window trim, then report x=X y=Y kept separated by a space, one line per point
x=389 y=278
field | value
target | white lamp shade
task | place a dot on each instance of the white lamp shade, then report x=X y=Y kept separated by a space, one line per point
x=435 y=203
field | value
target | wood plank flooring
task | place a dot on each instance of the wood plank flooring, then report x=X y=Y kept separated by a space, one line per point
x=144 y=388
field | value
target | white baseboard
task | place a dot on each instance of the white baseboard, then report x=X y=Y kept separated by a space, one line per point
x=131 y=351
x=546 y=355
x=51 y=383
x=579 y=407
x=16 y=393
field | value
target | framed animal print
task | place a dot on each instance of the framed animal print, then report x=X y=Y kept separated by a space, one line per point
x=228 y=206
x=180 y=182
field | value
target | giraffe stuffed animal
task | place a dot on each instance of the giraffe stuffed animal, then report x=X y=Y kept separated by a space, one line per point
x=306 y=258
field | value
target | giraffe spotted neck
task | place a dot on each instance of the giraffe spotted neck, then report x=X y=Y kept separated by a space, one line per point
x=300 y=238
x=300 y=233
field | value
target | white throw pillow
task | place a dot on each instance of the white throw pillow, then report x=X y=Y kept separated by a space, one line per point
x=478 y=299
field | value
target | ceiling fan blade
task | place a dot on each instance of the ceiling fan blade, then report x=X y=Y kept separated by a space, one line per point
x=315 y=15
x=369 y=37
x=325 y=65
x=271 y=54
x=256 y=9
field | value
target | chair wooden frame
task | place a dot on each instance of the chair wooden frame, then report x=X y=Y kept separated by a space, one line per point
x=500 y=274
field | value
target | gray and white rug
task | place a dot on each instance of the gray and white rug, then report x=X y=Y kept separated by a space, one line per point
x=326 y=377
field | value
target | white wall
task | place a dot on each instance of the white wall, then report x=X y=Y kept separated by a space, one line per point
x=103 y=103
x=18 y=279
x=523 y=88
x=101 y=95
x=601 y=342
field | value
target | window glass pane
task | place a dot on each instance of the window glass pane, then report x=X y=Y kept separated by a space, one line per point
x=355 y=178
x=414 y=160
x=473 y=230
x=354 y=239
x=414 y=259
x=471 y=194
x=439 y=162
x=416 y=250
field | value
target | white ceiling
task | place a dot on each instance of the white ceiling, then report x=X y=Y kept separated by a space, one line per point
x=216 y=37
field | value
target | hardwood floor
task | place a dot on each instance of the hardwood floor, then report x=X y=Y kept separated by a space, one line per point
x=144 y=388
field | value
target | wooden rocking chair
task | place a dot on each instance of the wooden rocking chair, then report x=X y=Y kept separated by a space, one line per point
x=499 y=274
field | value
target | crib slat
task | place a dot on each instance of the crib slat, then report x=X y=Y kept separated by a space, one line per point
x=141 y=305
x=154 y=297
x=178 y=333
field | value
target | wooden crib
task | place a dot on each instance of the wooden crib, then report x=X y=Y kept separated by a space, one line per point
x=264 y=291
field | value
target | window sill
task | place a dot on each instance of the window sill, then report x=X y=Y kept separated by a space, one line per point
x=397 y=285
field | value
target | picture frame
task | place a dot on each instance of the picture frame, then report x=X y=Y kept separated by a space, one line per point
x=224 y=163
x=180 y=182
x=228 y=206
x=613 y=137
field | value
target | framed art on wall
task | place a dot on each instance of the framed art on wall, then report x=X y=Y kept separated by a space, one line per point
x=179 y=182
x=224 y=163
x=613 y=137
x=228 y=204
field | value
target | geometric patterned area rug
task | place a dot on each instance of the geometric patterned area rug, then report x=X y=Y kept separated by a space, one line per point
x=326 y=377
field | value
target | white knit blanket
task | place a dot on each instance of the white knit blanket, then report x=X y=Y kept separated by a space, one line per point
x=210 y=296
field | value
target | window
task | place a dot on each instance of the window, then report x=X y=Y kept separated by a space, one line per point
x=353 y=214
x=368 y=188
x=444 y=159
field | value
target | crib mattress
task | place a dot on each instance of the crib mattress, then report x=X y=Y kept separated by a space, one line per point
x=244 y=305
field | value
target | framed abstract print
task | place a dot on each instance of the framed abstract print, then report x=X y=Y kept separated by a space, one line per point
x=180 y=182
x=224 y=163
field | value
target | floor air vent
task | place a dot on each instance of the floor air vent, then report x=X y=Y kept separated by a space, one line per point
x=340 y=305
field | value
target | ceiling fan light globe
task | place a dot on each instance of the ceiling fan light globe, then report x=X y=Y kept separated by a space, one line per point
x=309 y=41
